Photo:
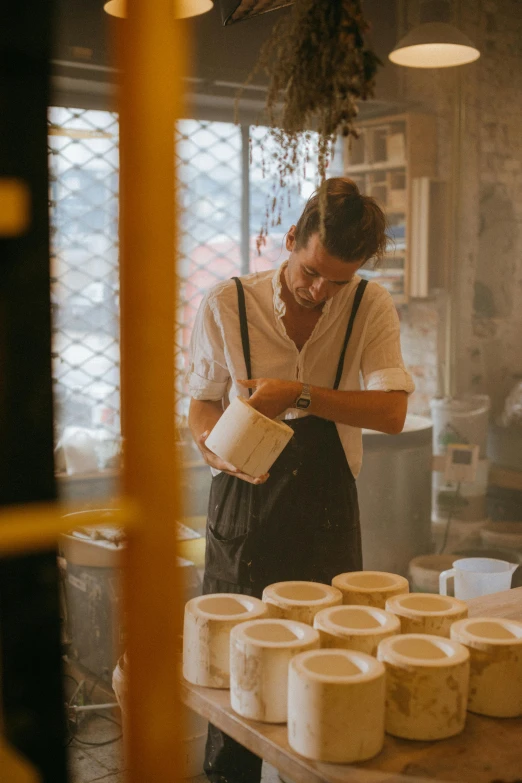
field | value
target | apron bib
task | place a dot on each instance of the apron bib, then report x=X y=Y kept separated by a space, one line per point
x=303 y=523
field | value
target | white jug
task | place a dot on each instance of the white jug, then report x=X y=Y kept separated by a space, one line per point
x=475 y=576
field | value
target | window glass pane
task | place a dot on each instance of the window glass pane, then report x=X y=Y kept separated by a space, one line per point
x=83 y=150
x=209 y=157
x=262 y=148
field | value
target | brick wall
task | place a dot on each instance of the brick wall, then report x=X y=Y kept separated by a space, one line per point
x=488 y=213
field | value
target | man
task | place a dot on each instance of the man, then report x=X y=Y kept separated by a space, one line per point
x=299 y=338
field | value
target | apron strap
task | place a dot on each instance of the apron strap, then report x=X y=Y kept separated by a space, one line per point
x=243 y=325
x=356 y=302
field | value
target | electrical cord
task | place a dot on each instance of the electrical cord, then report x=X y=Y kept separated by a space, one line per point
x=450 y=517
x=73 y=728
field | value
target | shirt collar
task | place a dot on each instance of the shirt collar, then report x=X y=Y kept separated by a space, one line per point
x=280 y=306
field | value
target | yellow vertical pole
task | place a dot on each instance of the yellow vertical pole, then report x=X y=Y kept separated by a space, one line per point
x=151 y=59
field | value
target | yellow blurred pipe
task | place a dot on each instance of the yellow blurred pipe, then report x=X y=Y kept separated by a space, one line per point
x=151 y=58
x=34 y=527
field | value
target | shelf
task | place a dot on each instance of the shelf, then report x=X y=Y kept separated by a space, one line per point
x=363 y=168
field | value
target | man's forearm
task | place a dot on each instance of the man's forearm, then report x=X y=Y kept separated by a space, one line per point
x=375 y=410
x=203 y=415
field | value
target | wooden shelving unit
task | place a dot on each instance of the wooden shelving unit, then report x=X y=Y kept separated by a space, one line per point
x=390 y=152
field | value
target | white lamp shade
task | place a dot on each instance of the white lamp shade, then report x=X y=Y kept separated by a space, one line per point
x=185 y=8
x=434 y=45
x=116 y=8
x=182 y=9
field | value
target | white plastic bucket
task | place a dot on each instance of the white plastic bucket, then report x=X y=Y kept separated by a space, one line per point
x=463 y=420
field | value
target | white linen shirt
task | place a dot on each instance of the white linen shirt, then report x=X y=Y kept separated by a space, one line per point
x=216 y=354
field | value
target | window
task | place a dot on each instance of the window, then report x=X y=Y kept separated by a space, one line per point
x=223 y=200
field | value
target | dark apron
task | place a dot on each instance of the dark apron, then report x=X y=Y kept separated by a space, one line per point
x=303 y=523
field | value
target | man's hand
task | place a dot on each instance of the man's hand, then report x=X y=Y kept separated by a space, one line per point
x=272 y=396
x=216 y=462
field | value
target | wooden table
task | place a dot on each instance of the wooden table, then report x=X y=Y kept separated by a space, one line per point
x=487 y=750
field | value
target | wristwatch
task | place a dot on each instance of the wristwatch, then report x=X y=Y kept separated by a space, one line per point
x=304 y=400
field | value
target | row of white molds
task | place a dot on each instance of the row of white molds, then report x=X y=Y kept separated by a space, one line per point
x=266 y=643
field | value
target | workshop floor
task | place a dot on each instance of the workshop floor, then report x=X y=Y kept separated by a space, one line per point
x=104 y=763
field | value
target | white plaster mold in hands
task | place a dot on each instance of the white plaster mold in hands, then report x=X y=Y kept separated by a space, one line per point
x=370 y=588
x=209 y=620
x=260 y=652
x=427 y=680
x=359 y=628
x=495 y=647
x=427 y=613
x=336 y=705
x=247 y=439
x=299 y=601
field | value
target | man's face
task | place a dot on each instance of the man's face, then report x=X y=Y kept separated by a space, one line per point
x=313 y=275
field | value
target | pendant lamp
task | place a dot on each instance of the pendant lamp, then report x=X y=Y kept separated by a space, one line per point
x=182 y=8
x=435 y=43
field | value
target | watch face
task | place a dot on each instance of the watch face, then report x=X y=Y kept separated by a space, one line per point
x=302 y=403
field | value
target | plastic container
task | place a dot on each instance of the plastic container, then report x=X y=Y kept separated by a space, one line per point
x=476 y=576
x=260 y=652
x=336 y=703
x=359 y=628
x=426 y=613
x=495 y=647
x=195 y=728
x=463 y=420
x=370 y=588
x=419 y=669
x=247 y=439
x=300 y=601
x=397 y=518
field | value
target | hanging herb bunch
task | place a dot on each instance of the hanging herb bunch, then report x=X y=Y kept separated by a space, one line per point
x=319 y=67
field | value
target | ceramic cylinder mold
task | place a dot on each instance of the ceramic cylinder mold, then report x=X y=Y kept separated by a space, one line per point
x=355 y=627
x=336 y=701
x=209 y=620
x=427 y=613
x=427 y=680
x=260 y=652
x=247 y=439
x=299 y=601
x=495 y=647
x=370 y=588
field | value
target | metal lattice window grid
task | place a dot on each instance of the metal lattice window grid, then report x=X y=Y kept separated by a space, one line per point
x=222 y=195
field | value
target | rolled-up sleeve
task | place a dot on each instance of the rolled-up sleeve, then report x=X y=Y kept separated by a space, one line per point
x=207 y=374
x=382 y=365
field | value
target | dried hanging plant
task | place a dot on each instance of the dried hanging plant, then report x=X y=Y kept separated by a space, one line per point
x=319 y=67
